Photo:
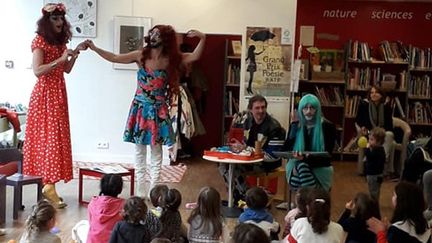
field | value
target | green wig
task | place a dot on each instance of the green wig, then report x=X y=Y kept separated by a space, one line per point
x=317 y=136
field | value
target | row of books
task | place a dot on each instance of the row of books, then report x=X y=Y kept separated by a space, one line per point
x=420 y=58
x=360 y=51
x=364 y=78
x=231 y=104
x=351 y=105
x=233 y=74
x=393 y=51
x=420 y=112
x=419 y=87
x=329 y=95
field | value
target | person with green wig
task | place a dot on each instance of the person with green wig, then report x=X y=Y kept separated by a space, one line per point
x=311 y=138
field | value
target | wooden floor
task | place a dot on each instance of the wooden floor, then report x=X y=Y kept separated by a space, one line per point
x=199 y=173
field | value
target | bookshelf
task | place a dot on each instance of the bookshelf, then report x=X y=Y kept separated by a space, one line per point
x=419 y=107
x=231 y=82
x=387 y=67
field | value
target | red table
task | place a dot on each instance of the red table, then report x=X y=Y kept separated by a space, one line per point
x=99 y=174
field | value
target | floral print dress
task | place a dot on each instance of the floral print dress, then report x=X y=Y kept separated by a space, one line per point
x=148 y=121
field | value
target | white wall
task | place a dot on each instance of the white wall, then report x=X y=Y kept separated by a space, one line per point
x=99 y=96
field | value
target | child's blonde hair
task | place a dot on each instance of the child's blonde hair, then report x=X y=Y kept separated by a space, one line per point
x=39 y=218
x=379 y=134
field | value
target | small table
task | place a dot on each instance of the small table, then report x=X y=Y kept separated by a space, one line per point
x=18 y=181
x=99 y=174
x=231 y=211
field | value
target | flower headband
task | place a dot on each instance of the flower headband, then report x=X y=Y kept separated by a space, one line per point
x=51 y=7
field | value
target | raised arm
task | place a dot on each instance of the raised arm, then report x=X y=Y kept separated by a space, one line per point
x=196 y=54
x=126 y=58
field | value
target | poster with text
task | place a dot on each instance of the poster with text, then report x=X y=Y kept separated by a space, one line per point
x=268 y=63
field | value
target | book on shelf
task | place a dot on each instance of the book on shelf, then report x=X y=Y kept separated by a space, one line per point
x=236 y=104
x=233 y=74
x=351 y=105
x=236 y=47
x=420 y=112
x=420 y=58
x=329 y=96
x=230 y=102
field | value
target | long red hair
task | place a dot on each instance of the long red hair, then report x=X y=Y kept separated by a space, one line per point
x=46 y=30
x=170 y=50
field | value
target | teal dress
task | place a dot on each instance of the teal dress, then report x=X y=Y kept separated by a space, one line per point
x=148 y=121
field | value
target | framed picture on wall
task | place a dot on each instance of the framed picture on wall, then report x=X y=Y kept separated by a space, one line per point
x=129 y=35
x=82 y=16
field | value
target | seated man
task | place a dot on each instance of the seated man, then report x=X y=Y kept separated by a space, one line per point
x=311 y=138
x=254 y=121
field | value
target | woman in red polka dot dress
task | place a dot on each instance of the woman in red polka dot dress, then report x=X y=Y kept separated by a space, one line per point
x=47 y=147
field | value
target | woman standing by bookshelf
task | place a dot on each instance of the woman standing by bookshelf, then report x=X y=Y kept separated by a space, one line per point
x=376 y=112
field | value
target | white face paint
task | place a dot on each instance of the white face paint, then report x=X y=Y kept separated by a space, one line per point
x=309 y=112
x=155 y=38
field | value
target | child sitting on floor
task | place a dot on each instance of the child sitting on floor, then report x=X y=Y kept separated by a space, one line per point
x=300 y=211
x=317 y=226
x=39 y=223
x=206 y=221
x=353 y=219
x=172 y=227
x=156 y=194
x=104 y=211
x=256 y=212
x=130 y=229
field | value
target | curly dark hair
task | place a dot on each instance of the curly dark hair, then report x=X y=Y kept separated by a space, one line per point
x=45 y=29
x=134 y=210
x=256 y=198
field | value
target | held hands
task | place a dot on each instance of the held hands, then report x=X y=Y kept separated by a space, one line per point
x=89 y=44
x=195 y=33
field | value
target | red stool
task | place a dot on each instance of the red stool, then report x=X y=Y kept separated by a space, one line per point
x=99 y=174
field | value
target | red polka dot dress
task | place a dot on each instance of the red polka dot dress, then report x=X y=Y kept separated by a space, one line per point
x=47 y=146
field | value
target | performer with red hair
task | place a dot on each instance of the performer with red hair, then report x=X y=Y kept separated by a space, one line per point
x=47 y=146
x=158 y=74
